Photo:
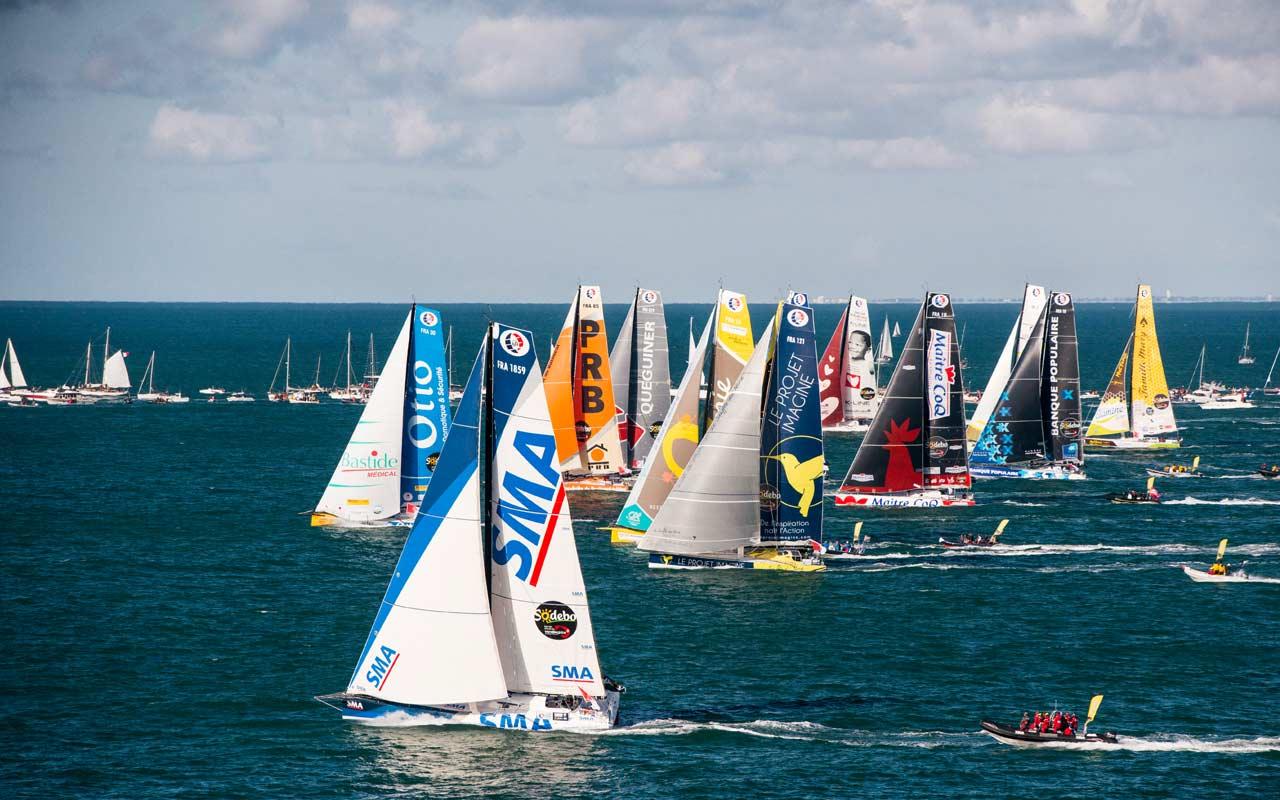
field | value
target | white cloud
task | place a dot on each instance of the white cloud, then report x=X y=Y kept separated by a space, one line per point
x=373 y=18
x=534 y=59
x=198 y=136
x=1025 y=125
x=677 y=164
x=414 y=134
x=1215 y=86
x=247 y=28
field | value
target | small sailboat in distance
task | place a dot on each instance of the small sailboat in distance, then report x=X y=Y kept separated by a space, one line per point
x=884 y=354
x=388 y=462
x=1136 y=412
x=1246 y=357
x=1178 y=470
x=896 y=330
x=13 y=384
x=1267 y=389
x=285 y=356
x=915 y=453
x=151 y=395
x=485 y=621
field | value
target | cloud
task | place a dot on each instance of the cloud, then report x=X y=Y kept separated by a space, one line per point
x=535 y=59
x=1215 y=86
x=403 y=131
x=1026 y=125
x=414 y=134
x=373 y=18
x=677 y=164
x=191 y=135
x=247 y=29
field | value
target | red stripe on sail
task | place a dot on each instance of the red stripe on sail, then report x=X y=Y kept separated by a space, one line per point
x=546 y=536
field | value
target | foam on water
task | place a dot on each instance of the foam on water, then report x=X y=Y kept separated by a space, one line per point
x=1225 y=501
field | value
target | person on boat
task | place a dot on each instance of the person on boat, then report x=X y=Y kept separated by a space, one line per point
x=1026 y=721
x=1218 y=568
x=1057 y=722
x=1153 y=494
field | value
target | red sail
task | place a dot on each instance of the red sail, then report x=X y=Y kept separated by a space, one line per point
x=829 y=378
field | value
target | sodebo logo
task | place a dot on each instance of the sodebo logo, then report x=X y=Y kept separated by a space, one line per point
x=515 y=343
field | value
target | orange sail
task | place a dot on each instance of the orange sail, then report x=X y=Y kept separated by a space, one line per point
x=557 y=383
x=595 y=415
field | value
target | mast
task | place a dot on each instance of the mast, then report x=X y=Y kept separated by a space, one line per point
x=88 y=359
x=106 y=353
x=348 y=359
x=1273 y=368
x=288 y=345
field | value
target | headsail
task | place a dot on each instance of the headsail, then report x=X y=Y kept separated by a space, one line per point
x=558 y=385
x=1015 y=433
x=733 y=345
x=16 y=379
x=1111 y=418
x=432 y=641
x=426 y=405
x=115 y=375
x=791 y=454
x=1151 y=411
x=536 y=579
x=677 y=439
x=715 y=505
x=1033 y=303
x=365 y=485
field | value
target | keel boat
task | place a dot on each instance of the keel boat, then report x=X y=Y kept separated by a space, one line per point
x=486 y=622
x=847 y=372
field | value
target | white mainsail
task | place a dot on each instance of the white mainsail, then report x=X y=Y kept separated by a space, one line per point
x=1033 y=302
x=16 y=379
x=114 y=373
x=432 y=641
x=714 y=506
x=858 y=390
x=366 y=482
x=528 y=510
x=885 y=353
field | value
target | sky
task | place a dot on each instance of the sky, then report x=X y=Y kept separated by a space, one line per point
x=372 y=150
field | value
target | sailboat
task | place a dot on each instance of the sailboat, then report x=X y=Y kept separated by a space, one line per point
x=579 y=387
x=688 y=359
x=486 y=620
x=1196 y=390
x=641 y=376
x=387 y=464
x=751 y=494
x=885 y=352
x=1245 y=356
x=1135 y=412
x=1033 y=429
x=916 y=454
x=352 y=392
x=677 y=437
x=151 y=395
x=731 y=349
x=115 y=383
x=847 y=372
x=285 y=357
x=896 y=330
x=13 y=384
x=1033 y=303
x=1267 y=389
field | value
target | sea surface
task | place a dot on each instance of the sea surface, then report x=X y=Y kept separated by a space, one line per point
x=168 y=615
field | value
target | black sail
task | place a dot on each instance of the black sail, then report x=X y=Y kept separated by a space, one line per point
x=891 y=456
x=1060 y=381
x=945 y=447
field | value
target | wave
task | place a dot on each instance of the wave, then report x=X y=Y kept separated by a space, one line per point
x=1225 y=501
x=1167 y=743
x=794 y=731
x=1023 y=505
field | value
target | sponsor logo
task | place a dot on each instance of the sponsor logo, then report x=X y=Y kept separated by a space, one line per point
x=941 y=301
x=1070 y=427
x=956 y=470
x=861 y=477
x=940 y=372
x=379 y=670
x=571 y=673
x=1144 y=292
x=798 y=318
x=428 y=318
x=648 y=297
x=529 y=505
x=769 y=497
x=1160 y=401
x=355 y=704
x=555 y=620
x=734 y=302
x=937 y=446
x=432 y=460
x=515 y=343
x=589 y=292
x=867 y=393
x=1062 y=299
x=857 y=303
x=515 y=721
x=373 y=461
x=798 y=298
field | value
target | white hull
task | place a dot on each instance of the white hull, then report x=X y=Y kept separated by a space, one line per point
x=848 y=426
x=1226 y=405
x=1200 y=576
x=600 y=484
x=522 y=712
x=930 y=499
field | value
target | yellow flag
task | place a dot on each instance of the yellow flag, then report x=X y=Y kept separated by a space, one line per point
x=1222 y=549
x=1000 y=528
x=1093 y=707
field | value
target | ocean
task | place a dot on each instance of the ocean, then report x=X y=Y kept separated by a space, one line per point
x=168 y=615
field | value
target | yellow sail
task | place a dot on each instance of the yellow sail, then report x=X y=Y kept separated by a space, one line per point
x=999 y=529
x=1152 y=412
x=1093 y=708
x=1112 y=416
x=1222 y=549
x=734 y=345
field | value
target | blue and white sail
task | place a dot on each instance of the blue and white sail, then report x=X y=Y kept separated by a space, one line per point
x=537 y=595
x=426 y=406
x=791 y=454
x=432 y=641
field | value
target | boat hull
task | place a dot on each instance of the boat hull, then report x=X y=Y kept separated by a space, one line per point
x=1132 y=443
x=1025 y=473
x=321 y=519
x=1156 y=473
x=920 y=500
x=1135 y=501
x=848 y=426
x=594 y=483
x=623 y=535
x=1201 y=576
x=767 y=560
x=519 y=712
x=1007 y=734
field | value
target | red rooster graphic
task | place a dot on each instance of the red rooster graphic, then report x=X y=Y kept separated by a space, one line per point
x=900 y=473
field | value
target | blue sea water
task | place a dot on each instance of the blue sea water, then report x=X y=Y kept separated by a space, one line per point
x=167 y=615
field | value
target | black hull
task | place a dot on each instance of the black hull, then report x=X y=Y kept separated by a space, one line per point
x=1266 y=473
x=1011 y=734
x=959 y=545
x=1119 y=498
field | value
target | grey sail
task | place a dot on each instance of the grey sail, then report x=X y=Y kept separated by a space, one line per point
x=714 y=506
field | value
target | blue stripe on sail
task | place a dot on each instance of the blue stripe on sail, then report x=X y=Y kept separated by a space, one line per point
x=426 y=404
x=457 y=464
